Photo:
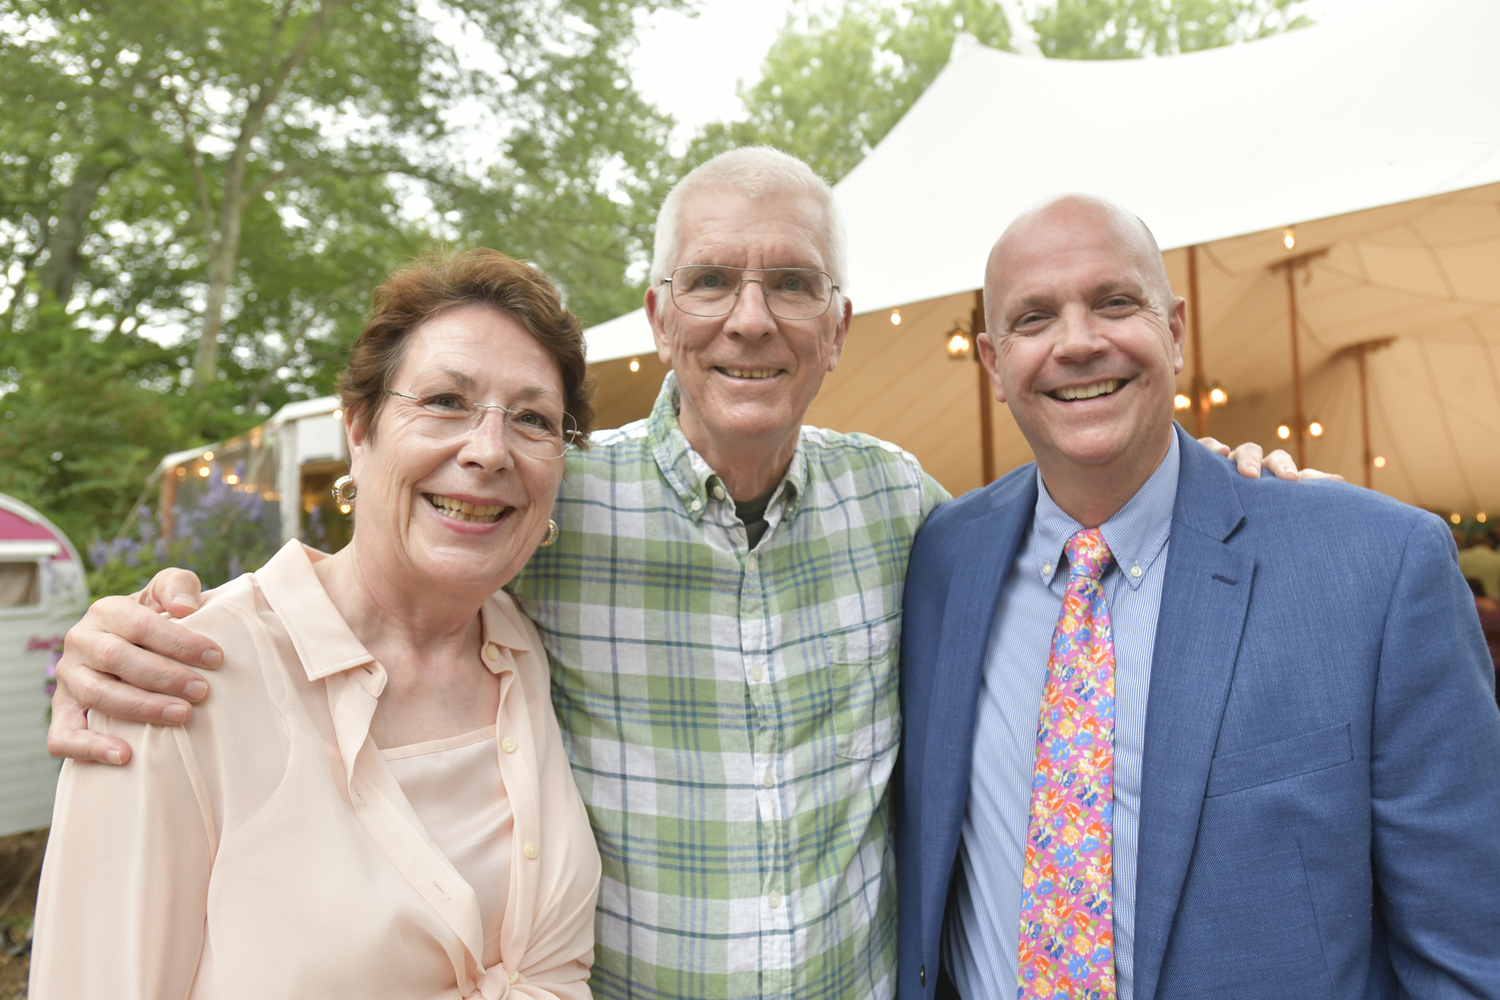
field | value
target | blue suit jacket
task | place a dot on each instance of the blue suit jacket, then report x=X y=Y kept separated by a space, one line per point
x=1320 y=808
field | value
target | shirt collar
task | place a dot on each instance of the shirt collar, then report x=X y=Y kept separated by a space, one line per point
x=1135 y=534
x=322 y=638
x=689 y=475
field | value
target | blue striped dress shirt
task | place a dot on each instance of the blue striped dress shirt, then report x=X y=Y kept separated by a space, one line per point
x=982 y=930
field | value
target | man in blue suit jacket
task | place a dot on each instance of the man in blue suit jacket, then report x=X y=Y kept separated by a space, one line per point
x=1306 y=770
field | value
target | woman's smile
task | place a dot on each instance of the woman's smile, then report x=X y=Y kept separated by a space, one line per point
x=466 y=510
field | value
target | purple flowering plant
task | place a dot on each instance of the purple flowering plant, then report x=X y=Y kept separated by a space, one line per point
x=53 y=647
x=224 y=531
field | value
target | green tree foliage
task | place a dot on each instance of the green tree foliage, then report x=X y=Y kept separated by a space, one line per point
x=1124 y=29
x=239 y=108
x=232 y=177
x=78 y=431
x=833 y=86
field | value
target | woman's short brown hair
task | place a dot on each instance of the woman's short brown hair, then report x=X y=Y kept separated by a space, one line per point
x=438 y=281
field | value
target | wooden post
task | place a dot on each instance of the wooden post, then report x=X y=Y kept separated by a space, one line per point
x=1299 y=420
x=1364 y=416
x=986 y=406
x=168 y=499
x=1195 y=328
x=1299 y=417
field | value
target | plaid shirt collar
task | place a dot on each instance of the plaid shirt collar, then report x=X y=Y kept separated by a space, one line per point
x=690 y=477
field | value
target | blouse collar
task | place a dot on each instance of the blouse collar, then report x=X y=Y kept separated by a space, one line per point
x=323 y=640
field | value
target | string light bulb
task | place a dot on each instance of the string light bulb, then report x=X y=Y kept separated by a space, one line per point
x=1455 y=517
x=208 y=456
x=895 y=317
x=1181 y=401
x=1283 y=432
x=958 y=345
x=1480 y=517
x=635 y=364
x=1218 y=396
x=1379 y=462
x=338 y=414
x=203 y=472
x=1289 y=238
x=1315 y=429
x=344 y=508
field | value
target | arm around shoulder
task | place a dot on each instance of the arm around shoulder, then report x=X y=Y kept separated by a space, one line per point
x=1435 y=779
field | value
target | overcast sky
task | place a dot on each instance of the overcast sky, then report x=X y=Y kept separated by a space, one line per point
x=690 y=65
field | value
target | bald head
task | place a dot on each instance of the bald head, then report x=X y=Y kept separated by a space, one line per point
x=1048 y=225
x=1084 y=343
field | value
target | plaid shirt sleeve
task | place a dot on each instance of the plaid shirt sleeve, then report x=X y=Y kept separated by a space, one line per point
x=732 y=715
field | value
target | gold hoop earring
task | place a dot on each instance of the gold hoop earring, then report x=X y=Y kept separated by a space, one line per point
x=552 y=533
x=344 y=490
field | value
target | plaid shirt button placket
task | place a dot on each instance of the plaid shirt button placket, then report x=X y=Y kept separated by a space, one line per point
x=732 y=716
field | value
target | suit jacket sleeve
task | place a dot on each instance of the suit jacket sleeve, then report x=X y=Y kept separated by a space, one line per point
x=1435 y=780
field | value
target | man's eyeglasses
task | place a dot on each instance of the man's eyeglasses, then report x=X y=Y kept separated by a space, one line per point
x=536 y=429
x=710 y=290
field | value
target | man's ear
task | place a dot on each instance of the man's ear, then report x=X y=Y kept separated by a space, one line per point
x=841 y=334
x=1177 y=323
x=658 y=325
x=990 y=358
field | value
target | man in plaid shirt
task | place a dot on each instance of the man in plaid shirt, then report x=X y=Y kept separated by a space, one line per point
x=722 y=612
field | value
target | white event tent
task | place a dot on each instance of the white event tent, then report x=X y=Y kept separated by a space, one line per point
x=1370 y=145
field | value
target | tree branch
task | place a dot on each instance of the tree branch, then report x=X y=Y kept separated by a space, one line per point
x=255 y=114
x=300 y=333
x=16 y=291
x=308 y=168
x=200 y=181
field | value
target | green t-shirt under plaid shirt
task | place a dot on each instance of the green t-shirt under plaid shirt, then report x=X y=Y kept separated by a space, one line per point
x=732 y=715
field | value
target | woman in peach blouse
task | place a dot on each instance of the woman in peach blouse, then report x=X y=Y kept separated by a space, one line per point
x=377 y=802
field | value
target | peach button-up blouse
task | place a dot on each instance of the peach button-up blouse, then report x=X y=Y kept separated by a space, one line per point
x=266 y=850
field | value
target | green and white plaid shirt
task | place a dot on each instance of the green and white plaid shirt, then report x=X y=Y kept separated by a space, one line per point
x=732 y=715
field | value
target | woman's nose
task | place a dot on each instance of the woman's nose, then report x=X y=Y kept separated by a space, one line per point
x=488 y=443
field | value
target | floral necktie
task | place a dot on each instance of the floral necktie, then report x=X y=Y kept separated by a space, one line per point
x=1067 y=929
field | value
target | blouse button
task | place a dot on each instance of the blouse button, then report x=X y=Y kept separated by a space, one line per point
x=1135 y=571
x=757 y=674
x=492 y=652
x=696 y=504
x=529 y=850
x=508 y=745
x=719 y=492
x=774 y=899
x=515 y=977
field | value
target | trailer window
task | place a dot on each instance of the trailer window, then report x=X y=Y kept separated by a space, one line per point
x=18 y=585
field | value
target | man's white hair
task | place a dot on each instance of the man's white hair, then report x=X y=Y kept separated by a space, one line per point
x=757 y=172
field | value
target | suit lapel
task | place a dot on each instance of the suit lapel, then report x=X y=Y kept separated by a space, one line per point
x=990 y=544
x=1204 y=601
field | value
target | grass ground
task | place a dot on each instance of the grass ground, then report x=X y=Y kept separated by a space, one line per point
x=20 y=871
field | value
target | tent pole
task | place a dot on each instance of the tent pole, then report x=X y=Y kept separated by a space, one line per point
x=1364 y=415
x=1299 y=422
x=1200 y=395
x=986 y=415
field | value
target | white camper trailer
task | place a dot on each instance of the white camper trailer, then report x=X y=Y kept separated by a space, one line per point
x=42 y=593
x=289 y=463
